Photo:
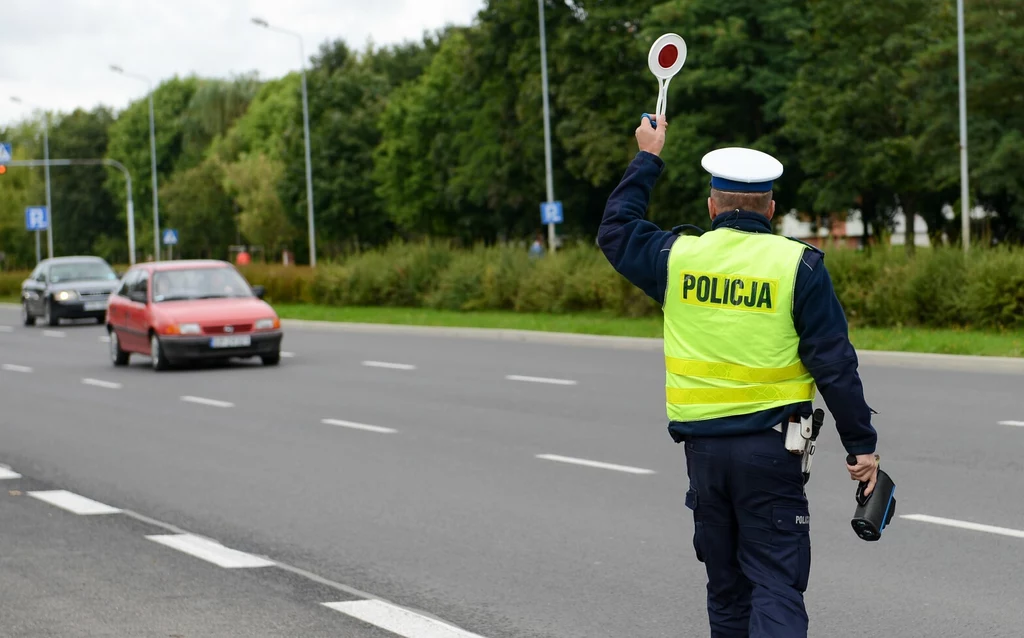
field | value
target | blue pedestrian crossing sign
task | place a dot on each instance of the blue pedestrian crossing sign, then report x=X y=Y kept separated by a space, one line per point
x=37 y=218
x=170 y=237
x=5 y=152
x=551 y=213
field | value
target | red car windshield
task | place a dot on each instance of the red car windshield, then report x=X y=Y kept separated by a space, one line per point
x=199 y=283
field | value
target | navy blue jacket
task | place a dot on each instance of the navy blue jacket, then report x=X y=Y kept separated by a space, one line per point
x=638 y=249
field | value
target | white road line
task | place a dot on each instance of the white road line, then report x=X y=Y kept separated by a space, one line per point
x=210 y=551
x=73 y=502
x=105 y=339
x=288 y=355
x=358 y=426
x=399 y=620
x=110 y=385
x=597 y=464
x=10 y=367
x=59 y=334
x=8 y=473
x=6 y=329
x=212 y=402
x=517 y=377
x=977 y=527
x=1019 y=424
x=390 y=366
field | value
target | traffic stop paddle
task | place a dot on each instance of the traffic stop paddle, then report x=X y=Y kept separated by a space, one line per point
x=665 y=59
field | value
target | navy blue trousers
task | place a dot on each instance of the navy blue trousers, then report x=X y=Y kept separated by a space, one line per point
x=752 y=532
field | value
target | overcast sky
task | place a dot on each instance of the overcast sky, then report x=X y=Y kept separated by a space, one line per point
x=57 y=53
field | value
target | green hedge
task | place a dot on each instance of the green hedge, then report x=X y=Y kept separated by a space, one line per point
x=10 y=282
x=883 y=287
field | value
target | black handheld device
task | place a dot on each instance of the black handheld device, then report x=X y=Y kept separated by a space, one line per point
x=875 y=511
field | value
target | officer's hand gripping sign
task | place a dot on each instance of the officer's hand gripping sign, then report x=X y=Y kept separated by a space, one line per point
x=666 y=58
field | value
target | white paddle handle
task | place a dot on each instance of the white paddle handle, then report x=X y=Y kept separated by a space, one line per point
x=662 y=106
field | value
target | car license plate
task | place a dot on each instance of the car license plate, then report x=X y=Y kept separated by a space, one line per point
x=95 y=305
x=238 y=341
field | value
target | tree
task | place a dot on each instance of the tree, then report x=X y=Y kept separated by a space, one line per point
x=994 y=43
x=19 y=188
x=86 y=216
x=194 y=202
x=851 y=107
x=253 y=182
x=129 y=144
x=740 y=66
x=347 y=93
x=415 y=157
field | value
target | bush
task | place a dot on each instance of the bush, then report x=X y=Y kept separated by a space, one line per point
x=10 y=282
x=283 y=283
x=939 y=287
x=995 y=289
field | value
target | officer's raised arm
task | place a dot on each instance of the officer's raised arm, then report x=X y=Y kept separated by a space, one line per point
x=636 y=247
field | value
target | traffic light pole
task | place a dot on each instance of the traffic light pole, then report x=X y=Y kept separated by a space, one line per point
x=93 y=162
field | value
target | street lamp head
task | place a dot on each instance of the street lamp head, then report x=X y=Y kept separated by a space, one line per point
x=16 y=100
x=260 y=22
x=116 y=69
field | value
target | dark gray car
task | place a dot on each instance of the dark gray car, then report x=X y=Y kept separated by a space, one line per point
x=67 y=288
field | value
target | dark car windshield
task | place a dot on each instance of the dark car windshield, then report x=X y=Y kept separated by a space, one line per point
x=199 y=283
x=81 y=271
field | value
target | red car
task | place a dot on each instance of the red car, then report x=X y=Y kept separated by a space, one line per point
x=186 y=310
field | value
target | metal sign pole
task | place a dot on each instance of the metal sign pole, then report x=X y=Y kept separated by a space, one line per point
x=965 y=193
x=547 y=122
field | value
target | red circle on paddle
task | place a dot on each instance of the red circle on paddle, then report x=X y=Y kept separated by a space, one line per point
x=668 y=56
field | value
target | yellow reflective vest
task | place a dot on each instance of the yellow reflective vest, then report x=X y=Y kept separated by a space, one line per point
x=730 y=341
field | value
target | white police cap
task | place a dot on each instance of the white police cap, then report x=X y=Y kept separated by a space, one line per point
x=742 y=170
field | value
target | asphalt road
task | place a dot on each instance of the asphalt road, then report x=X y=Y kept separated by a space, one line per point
x=428 y=472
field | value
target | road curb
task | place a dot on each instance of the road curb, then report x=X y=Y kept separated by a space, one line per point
x=883 y=358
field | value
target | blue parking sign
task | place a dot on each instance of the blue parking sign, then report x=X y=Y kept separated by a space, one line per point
x=37 y=218
x=551 y=213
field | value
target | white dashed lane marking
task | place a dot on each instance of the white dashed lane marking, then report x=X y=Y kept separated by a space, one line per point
x=58 y=334
x=6 y=329
x=210 y=551
x=517 y=377
x=287 y=355
x=399 y=620
x=359 y=426
x=1019 y=424
x=597 y=464
x=73 y=502
x=110 y=385
x=977 y=527
x=390 y=366
x=105 y=339
x=7 y=473
x=211 y=402
x=10 y=367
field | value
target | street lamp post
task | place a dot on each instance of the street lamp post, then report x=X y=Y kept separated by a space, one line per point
x=547 y=120
x=152 y=157
x=49 y=207
x=305 y=131
x=965 y=195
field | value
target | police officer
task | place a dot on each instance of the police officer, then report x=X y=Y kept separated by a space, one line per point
x=752 y=325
